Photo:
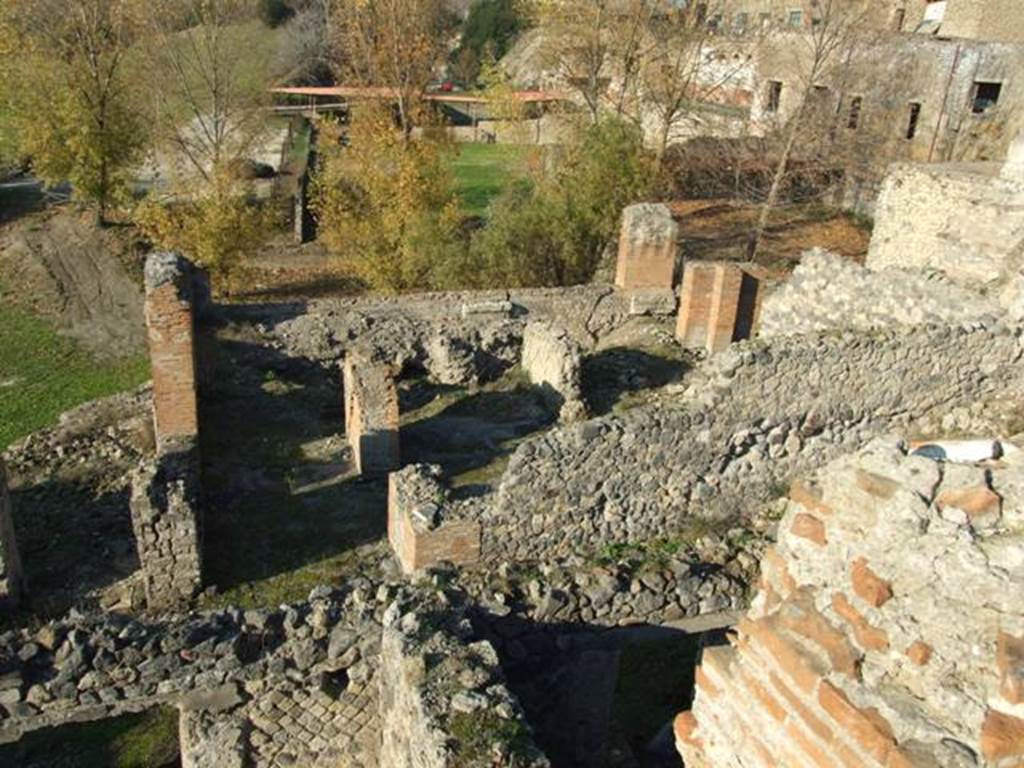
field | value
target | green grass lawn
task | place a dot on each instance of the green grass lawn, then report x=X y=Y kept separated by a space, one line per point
x=482 y=171
x=43 y=374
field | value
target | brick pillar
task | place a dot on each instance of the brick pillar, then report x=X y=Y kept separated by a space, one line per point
x=695 y=304
x=11 y=578
x=167 y=524
x=648 y=248
x=420 y=532
x=371 y=414
x=725 y=304
x=171 y=333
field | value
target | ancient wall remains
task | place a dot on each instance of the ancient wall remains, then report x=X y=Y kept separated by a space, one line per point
x=648 y=248
x=304 y=684
x=888 y=629
x=371 y=413
x=443 y=700
x=754 y=415
x=827 y=291
x=170 y=328
x=11 y=575
x=966 y=221
x=553 y=362
x=421 y=530
x=167 y=522
x=719 y=304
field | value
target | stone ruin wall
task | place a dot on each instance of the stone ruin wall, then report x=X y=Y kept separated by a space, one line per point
x=166 y=521
x=166 y=493
x=888 y=629
x=420 y=714
x=371 y=413
x=964 y=220
x=305 y=684
x=827 y=291
x=11 y=576
x=553 y=362
x=754 y=415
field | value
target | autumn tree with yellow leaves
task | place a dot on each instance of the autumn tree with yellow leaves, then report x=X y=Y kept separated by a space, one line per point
x=72 y=105
x=386 y=207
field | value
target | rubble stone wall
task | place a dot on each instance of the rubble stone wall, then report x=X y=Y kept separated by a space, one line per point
x=443 y=700
x=753 y=416
x=170 y=327
x=888 y=629
x=167 y=522
x=554 y=362
x=962 y=219
x=11 y=575
x=827 y=291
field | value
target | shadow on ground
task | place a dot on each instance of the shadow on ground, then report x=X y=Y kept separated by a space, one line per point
x=73 y=539
x=599 y=697
x=470 y=435
x=146 y=740
x=620 y=377
x=284 y=511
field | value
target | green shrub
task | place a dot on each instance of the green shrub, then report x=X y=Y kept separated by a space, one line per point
x=555 y=232
x=274 y=13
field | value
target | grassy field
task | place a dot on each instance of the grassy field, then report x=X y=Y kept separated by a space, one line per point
x=43 y=374
x=147 y=740
x=482 y=171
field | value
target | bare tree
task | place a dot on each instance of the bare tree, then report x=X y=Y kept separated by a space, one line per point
x=212 y=68
x=577 y=46
x=683 y=69
x=397 y=45
x=816 y=54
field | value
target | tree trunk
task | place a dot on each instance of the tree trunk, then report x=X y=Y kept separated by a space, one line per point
x=756 y=234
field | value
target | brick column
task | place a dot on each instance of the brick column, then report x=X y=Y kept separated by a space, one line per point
x=11 y=578
x=695 y=304
x=725 y=304
x=648 y=247
x=371 y=414
x=167 y=524
x=171 y=334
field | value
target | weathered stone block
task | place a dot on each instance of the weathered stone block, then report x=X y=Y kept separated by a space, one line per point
x=554 y=362
x=648 y=248
x=371 y=413
x=167 y=522
x=11 y=575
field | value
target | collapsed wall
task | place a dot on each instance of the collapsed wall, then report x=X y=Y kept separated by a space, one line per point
x=888 y=629
x=305 y=684
x=754 y=415
x=11 y=577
